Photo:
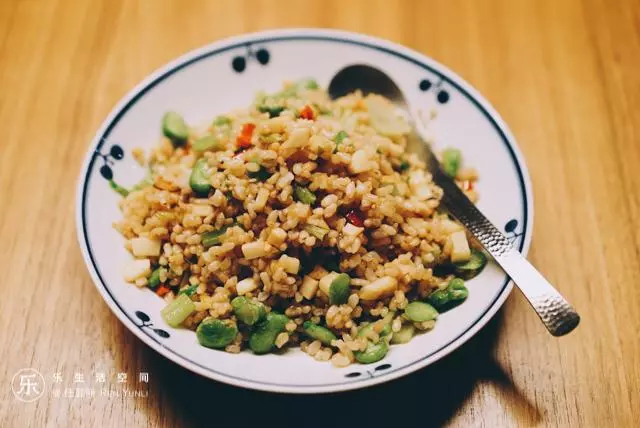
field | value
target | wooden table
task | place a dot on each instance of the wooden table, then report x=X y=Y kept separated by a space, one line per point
x=564 y=75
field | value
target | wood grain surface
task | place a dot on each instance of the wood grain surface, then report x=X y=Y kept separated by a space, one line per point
x=563 y=74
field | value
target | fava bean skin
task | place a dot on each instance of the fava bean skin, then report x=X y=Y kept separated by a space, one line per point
x=473 y=266
x=339 y=289
x=175 y=128
x=385 y=330
x=451 y=161
x=215 y=333
x=320 y=333
x=199 y=179
x=455 y=292
x=420 y=312
x=247 y=311
x=439 y=298
x=374 y=352
x=404 y=335
x=263 y=337
x=206 y=143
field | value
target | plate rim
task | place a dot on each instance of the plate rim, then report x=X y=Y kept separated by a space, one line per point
x=292 y=34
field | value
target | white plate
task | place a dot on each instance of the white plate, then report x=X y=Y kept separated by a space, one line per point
x=226 y=75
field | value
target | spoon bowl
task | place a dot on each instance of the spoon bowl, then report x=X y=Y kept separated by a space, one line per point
x=368 y=80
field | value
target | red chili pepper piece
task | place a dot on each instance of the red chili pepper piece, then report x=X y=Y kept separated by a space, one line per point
x=307 y=113
x=355 y=218
x=244 y=139
x=162 y=290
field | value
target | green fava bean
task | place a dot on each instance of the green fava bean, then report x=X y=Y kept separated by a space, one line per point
x=339 y=289
x=309 y=84
x=278 y=321
x=457 y=290
x=206 y=143
x=386 y=330
x=263 y=338
x=420 y=312
x=221 y=121
x=404 y=335
x=451 y=161
x=175 y=128
x=318 y=332
x=199 y=179
x=439 y=298
x=472 y=267
x=374 y=352
x=248 y=311
x=215 y=333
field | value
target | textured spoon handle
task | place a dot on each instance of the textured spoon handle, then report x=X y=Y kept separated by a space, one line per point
x=555 y=312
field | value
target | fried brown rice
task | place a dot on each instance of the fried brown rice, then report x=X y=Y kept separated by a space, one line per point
x=300 y=221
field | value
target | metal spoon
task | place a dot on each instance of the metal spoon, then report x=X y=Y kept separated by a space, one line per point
x=558 y=316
